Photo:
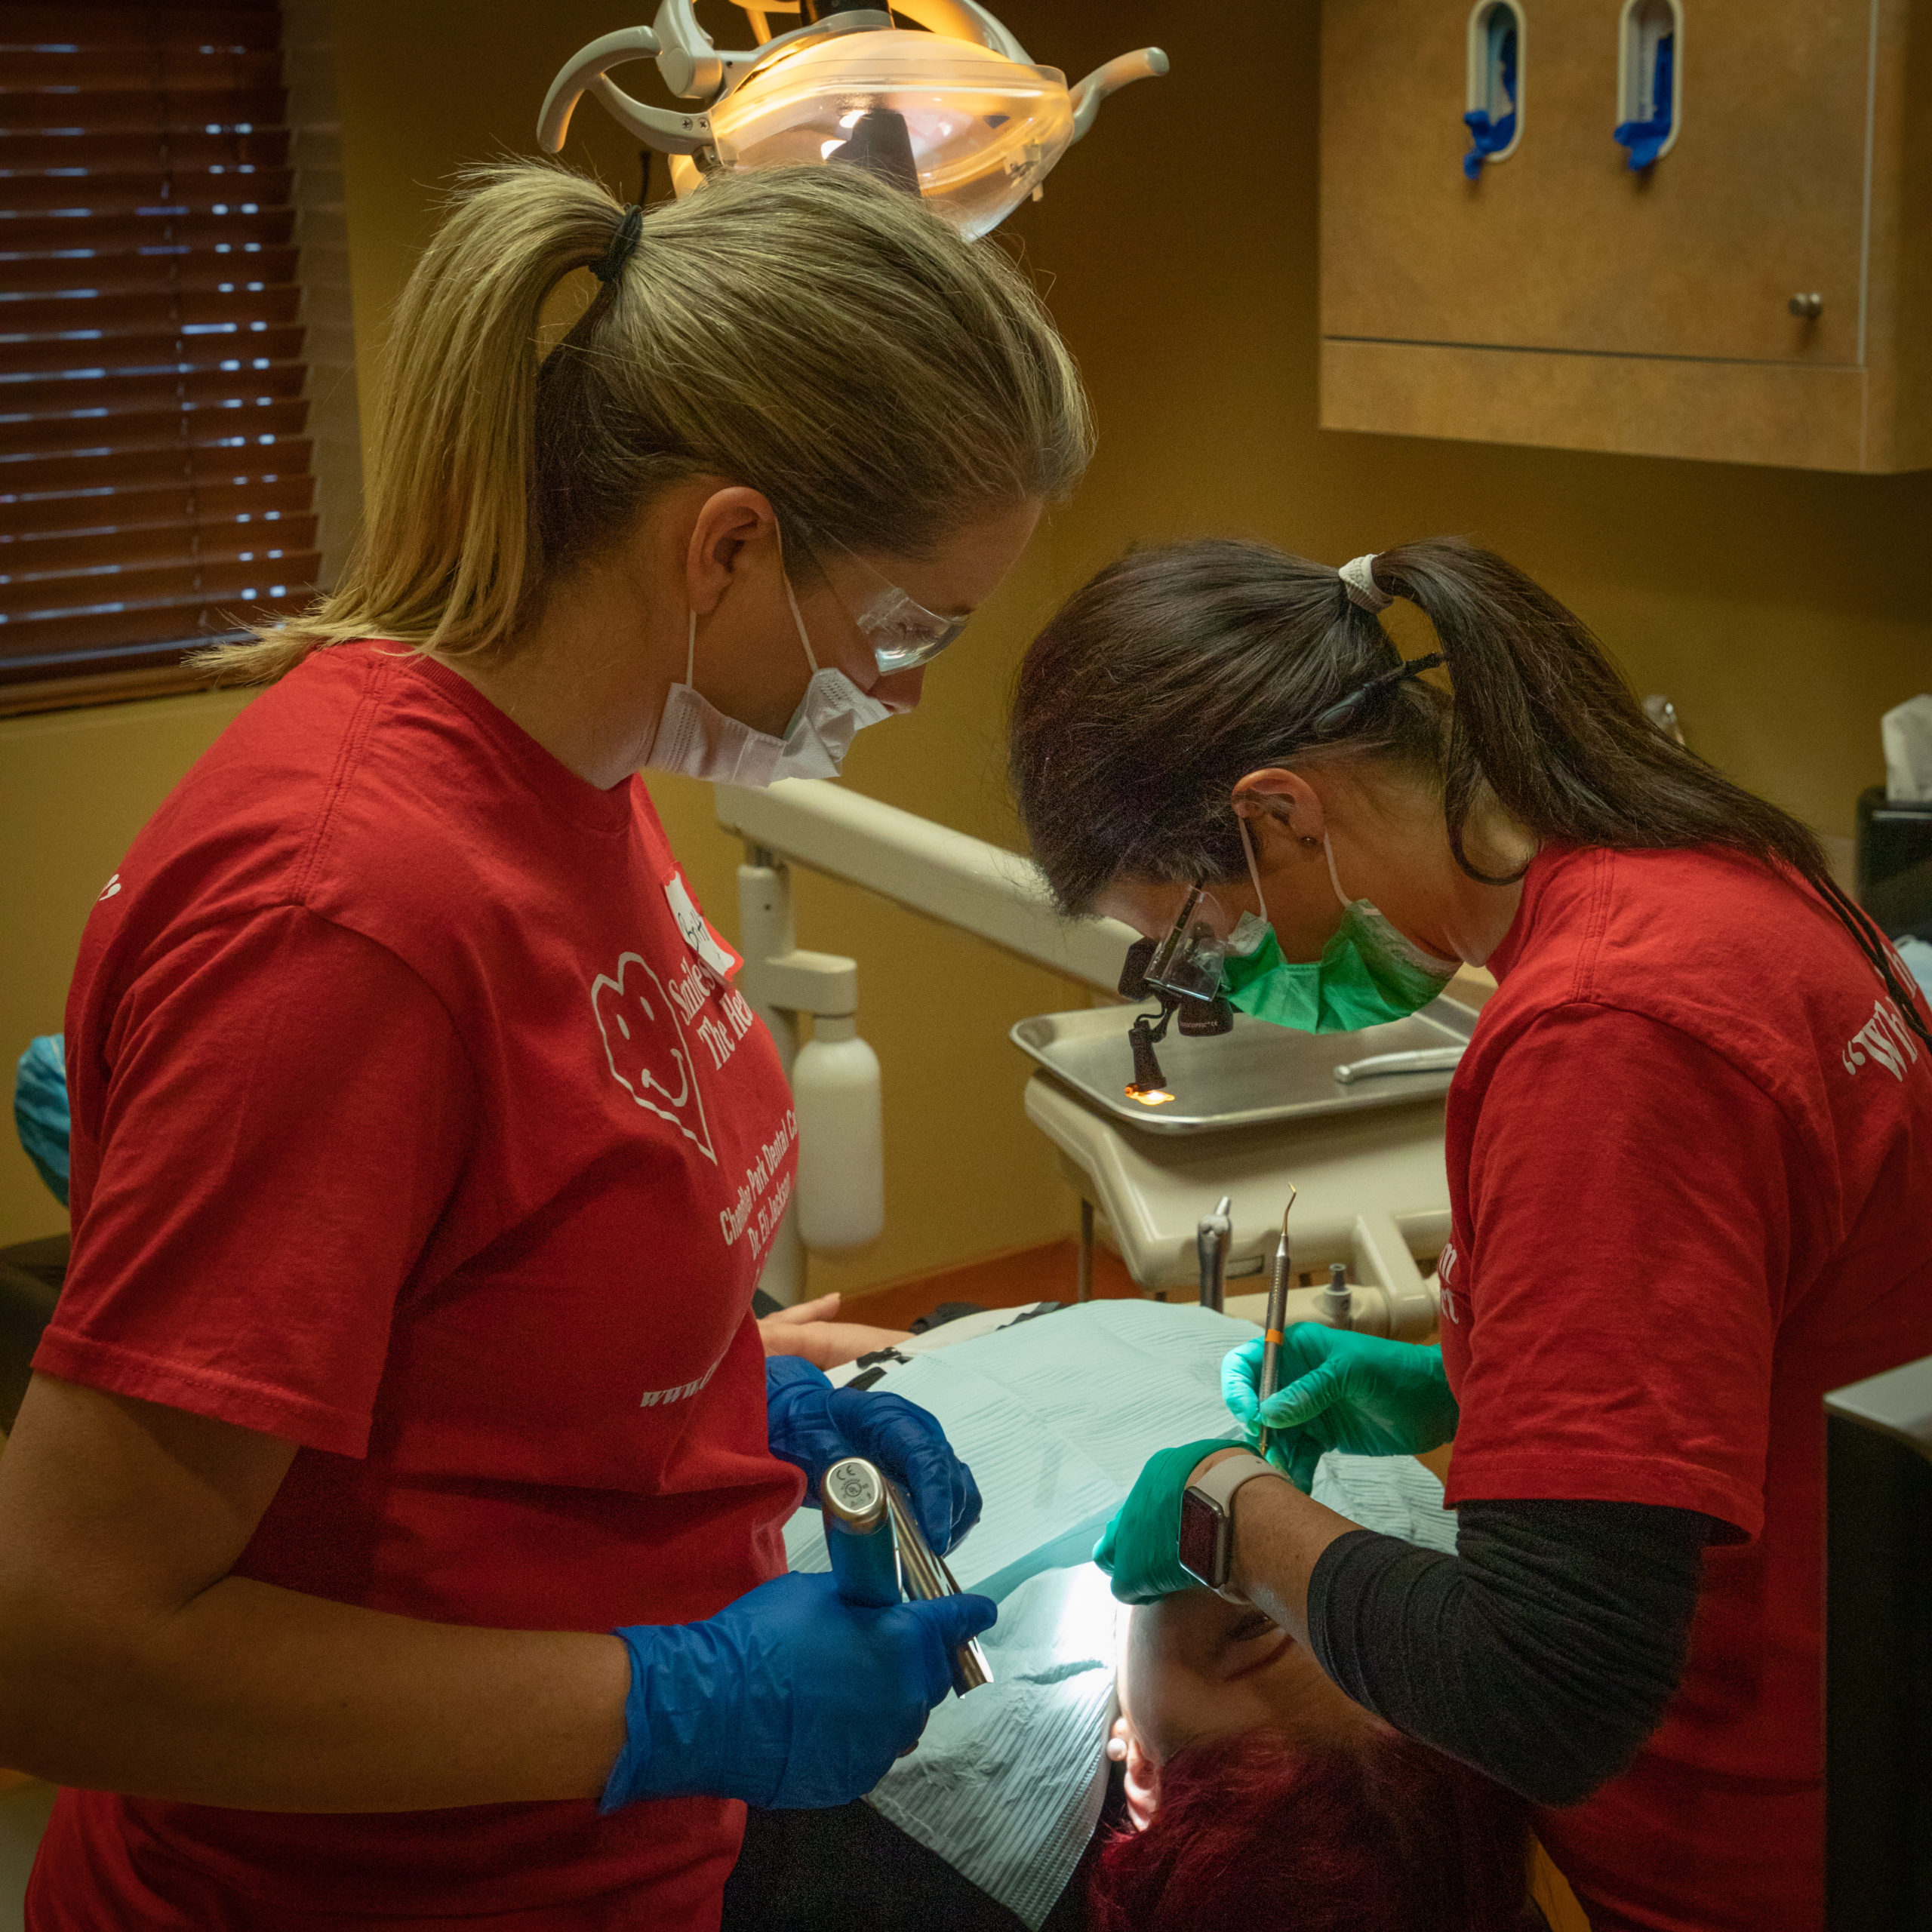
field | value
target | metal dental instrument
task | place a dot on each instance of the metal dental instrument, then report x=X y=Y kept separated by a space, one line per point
x=1425 y=1060
x=1278 y=1320
x=858 y=1532
x=1337 y=1300
x=1210 y=1243
x=923 y=1573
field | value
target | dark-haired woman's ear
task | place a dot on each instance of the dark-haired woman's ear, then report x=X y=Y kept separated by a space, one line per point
x=1286 y=798
x=1280 y=806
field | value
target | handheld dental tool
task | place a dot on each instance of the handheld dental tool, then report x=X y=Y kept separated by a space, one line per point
x=1277 y=1320
x=923 y=1572
x=858 y=1532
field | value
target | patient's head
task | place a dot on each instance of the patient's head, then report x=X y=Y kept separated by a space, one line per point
x=1262 y=1798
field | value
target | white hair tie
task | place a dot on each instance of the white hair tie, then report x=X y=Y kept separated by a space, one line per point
x=1358 y=577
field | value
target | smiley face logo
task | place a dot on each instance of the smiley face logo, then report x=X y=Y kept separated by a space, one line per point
x=644 y=1048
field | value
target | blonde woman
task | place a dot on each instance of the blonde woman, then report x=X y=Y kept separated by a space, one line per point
x=390 y=1534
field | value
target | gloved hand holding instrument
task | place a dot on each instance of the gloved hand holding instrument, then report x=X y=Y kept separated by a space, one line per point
x=796 y=1695
x=1339 y=1390
x=813 y=1425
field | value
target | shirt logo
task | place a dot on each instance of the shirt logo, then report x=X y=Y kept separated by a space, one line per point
x=108 y=891
x=1884 y=1037
x=655 y=1399
x=645 y=1046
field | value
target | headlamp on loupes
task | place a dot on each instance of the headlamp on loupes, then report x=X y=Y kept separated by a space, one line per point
x=1183 y=973
x=958 y=114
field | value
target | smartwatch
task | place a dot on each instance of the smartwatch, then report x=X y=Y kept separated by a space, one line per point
x=1208 y=1520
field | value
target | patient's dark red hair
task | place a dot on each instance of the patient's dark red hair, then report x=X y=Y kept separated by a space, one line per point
x=1255 y=1833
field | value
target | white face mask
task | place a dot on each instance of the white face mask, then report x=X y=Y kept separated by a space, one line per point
x=696 y=740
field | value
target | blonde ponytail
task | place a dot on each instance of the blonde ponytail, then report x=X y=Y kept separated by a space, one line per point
x=807 y=331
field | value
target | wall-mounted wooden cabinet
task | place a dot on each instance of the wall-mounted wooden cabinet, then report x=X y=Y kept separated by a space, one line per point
x=1760 y=292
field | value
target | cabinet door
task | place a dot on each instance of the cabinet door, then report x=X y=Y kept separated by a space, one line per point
x=1562 y=246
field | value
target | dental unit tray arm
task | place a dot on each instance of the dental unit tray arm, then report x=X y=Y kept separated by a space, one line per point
x=985 y=124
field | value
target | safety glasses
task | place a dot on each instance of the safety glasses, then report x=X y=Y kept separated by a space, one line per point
x=904 y=634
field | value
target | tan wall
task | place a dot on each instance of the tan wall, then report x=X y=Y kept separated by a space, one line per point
x=1782 y=611
x=74 y=788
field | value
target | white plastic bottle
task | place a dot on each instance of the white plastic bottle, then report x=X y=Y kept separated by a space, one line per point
x=842 y=1142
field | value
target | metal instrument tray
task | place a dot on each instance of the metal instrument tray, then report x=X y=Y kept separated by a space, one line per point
x=1257 y=1074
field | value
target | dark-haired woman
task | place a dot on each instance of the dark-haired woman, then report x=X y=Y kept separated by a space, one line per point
x=1689 y=1149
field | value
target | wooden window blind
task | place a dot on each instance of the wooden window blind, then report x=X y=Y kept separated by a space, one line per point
x=155 y=491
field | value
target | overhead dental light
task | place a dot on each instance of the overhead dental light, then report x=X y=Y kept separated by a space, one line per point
x=958 y=113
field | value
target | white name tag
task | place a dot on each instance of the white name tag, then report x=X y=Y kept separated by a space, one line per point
x=698 y=936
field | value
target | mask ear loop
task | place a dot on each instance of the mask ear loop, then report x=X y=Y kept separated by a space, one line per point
x=1253 y=870
x=690 y=652
x=1334 y=878
x=798 y=618
x=791 y=598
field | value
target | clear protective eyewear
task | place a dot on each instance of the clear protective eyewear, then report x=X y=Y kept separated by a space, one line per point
x=904 y=634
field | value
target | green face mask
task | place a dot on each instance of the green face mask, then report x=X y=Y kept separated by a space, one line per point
x=1368 y=973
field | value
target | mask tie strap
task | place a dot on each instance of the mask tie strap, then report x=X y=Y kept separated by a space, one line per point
x=690 y=651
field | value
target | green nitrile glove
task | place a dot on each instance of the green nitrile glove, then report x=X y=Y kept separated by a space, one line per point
x=1339 y=1390
x=1140 y=1549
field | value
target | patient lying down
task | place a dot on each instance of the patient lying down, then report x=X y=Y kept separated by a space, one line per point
x=1260 y=1797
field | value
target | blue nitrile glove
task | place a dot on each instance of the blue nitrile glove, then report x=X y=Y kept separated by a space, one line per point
x=814 y=1425
x=1340 y=1390
x=1140 y=1549
x=790 y=1697
x=40 y=1109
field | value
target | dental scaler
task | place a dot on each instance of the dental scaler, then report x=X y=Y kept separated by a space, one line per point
x=1276 y=1321
x=878 y=1553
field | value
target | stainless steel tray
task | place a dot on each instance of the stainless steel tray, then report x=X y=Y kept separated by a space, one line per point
x=1257 y=1073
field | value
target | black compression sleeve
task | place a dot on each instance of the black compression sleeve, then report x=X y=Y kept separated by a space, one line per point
x=1543 y=1652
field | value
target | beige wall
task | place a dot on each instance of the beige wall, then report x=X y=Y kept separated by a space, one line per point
x=74 y=788
x=1782 y=611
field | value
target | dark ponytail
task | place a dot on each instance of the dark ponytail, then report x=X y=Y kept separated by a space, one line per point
x=1545 y=723
x=1179 y=669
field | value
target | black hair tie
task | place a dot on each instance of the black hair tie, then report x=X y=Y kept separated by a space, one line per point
x=610 y=265
x=1341 y=713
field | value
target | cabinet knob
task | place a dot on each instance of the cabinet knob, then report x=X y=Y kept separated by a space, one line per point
x=1809 y=308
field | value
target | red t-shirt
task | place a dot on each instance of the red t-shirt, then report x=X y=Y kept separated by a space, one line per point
x=410 y=1125
x=1689 y=1155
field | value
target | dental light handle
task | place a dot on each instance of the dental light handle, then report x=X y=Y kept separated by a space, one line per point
x=858 y=1533
x=923 y=1573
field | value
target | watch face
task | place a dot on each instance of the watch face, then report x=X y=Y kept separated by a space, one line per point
x=1206 y=1540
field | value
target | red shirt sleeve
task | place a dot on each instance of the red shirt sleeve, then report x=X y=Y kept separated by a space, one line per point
x=1629 y=1208
x=268 y=1122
